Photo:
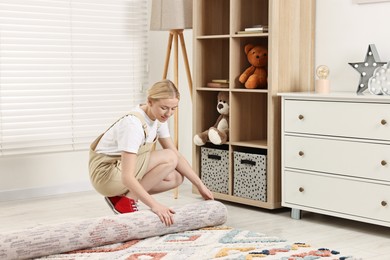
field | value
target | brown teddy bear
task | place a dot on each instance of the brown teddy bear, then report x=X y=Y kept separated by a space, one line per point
x=219 y=132
x=256 y=75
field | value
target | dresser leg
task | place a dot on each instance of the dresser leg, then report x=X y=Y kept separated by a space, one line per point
x=295 y=213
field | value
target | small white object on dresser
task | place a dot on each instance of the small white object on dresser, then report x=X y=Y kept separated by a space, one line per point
x=336 y=155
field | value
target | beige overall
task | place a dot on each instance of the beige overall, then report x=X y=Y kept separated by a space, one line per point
x=105 y=170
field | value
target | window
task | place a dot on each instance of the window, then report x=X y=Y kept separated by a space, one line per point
x=68 y=68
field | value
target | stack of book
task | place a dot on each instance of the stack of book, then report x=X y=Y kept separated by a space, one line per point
x=255 y=29
x=218 y=83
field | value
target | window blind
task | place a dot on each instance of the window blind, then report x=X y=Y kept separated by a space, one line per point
x=68 y=68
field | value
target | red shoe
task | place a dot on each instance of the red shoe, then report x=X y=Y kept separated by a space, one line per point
x=111 y=201
x=121 y=204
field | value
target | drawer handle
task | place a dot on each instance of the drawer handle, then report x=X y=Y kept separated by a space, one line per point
x=301 y=117
x=249 y=162
x=384 y=203
x=302 y=190
x=214 y=157
x=383 y=122
x=301 y=153
x=383 y=162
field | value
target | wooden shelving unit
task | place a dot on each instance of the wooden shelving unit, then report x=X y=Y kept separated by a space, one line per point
x=254 y=113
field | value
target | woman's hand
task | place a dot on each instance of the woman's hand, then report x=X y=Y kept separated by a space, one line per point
x=164 y=213
x=205 y=192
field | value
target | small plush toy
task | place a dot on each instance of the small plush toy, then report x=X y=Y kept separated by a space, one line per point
x=219 y=132
x=256 y=75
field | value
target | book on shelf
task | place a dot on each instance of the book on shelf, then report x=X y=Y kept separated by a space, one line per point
x=220 y=81
x=257 y=27
x=254 y=29
x=251 y=32
x=217 y=85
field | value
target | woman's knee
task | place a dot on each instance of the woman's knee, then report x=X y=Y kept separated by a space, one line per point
x=179 y=179
x=175 y=177
x=171 y=157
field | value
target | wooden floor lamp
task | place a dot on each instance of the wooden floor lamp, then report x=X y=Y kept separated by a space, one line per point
x=173 y=16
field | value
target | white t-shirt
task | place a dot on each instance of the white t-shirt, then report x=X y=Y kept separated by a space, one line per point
x=128 y=135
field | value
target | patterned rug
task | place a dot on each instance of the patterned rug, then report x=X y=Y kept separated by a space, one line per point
x=43 y=240
x=207 y=243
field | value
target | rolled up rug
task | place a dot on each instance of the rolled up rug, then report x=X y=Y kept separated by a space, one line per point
x=54 y=239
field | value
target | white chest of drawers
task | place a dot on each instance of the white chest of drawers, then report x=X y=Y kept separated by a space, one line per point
x=336 y=155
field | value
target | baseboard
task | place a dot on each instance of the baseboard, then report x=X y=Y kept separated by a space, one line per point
x=44 y=191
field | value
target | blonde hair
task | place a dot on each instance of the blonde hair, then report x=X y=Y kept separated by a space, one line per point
x=163 y=89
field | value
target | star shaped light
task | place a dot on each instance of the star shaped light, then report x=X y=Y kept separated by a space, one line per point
x=366 y=68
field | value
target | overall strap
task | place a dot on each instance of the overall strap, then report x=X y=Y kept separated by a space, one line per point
x=136 y=114
x=143 y=121
x=139 y=116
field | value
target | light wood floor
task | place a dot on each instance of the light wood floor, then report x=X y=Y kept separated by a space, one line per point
x=349 y=237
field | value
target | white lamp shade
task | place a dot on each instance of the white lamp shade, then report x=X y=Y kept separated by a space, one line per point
x=171 y=14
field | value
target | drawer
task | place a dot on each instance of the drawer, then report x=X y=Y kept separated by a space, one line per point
x=366 y=160
x=335 y=194
x=348 y=119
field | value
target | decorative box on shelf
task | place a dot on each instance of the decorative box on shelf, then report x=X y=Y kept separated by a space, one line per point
x=250 y=176
x=214 y=170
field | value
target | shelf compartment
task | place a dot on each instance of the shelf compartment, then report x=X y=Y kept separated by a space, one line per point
x=206 y=114
x=239 y=60
x=248 y=117
x=213 y=60
x=214 y=17
x=248 y=13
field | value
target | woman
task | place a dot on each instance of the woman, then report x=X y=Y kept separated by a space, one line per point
x=125 y=168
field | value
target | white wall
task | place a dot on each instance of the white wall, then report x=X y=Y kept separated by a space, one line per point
x=343 y=32
x=43 y=174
